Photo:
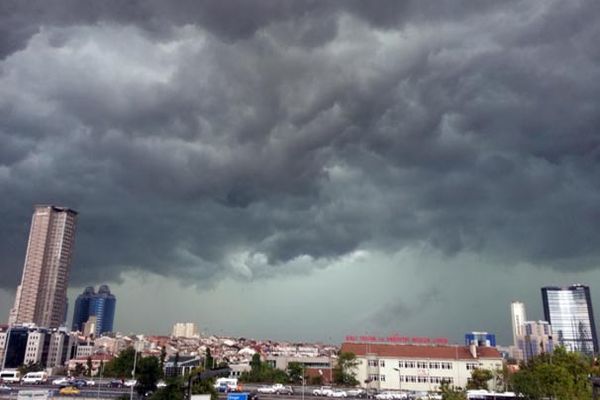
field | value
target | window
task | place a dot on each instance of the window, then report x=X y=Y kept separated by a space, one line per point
x=411 y=379
x=446 y=365
x=422 y=379
x=472 y=366
x=434 y=365
x=421 y=364
x=373 y=377
x=409 y=364
x=382 y=378
x=373 y=363
x=400 y=364
x=382 y=363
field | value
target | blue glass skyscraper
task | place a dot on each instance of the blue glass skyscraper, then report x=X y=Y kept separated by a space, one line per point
x=91 y=304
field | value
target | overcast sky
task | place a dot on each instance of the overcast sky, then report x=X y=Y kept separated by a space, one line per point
x=307 y=169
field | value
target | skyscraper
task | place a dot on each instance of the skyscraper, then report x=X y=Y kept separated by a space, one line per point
x=41 y=296
x=518 y=317
x=569 y=311
x=99 y=306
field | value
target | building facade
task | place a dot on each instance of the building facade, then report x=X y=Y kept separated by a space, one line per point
x=409 y=367
x=535 y=340
x=480 y=339
x=94 y=310
x=185 y=330
x=518 y=317
x=42 y=295
x=569 y=311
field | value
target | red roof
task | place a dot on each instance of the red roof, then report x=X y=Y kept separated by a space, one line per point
x=419 y=351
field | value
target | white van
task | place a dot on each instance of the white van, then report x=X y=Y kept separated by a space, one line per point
x=35 y=378
x=10 y=376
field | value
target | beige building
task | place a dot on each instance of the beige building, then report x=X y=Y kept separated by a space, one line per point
x=185 y=330
x=41 y=296
x=410 y=367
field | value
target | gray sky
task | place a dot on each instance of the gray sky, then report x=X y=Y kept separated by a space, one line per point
x=307 y=169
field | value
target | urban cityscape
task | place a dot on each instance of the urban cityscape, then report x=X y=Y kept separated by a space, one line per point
x=37 y=342
x=275 y=199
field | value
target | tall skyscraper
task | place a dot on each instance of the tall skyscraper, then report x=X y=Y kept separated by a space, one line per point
x=100 y=307
x=569 y=311
x=518 y=317
x=41 y=296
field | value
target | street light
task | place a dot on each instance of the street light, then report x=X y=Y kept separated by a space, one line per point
x=100 y=380
x=303 y=378
x=133 y=372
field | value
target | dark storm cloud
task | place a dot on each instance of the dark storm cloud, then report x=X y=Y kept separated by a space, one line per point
x=211 y=139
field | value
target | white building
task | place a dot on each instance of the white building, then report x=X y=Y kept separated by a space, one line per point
x=61 y=348
x=518 y=318
x=35 y=347
x=185 y=330
x=419 y=367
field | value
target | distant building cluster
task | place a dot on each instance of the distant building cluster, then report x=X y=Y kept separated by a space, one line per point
x=36 y=332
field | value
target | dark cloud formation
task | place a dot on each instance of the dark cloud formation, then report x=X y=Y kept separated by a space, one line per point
x=209 y=139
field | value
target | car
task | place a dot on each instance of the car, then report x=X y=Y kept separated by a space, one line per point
x=90 y=382
x=115 y=383
x=322 y=391
x=385 y=396
x=338 y=394
x=161 y=384
x=62 y=381
x=69 y=390
x=287 y=390
x=4 y=388
x=130 y=383
x=265 y=389
x=78 y=383
x=356 y=393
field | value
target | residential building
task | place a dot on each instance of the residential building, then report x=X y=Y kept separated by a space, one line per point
x=98 y=362
x=569 y=311
x=536 y=339
x=94 y=308
x=384 y=366
x=181 y=365
x=42 y=295
x=185 y=330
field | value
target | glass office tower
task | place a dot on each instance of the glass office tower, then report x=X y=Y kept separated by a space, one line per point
x=569 y=311
x=91 y=304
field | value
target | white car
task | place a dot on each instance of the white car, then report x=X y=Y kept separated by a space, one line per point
x=355 y=392
x=385 y=396
x=323 y=391
x=130 y=383
x=61 y=381
x=266 y=389
x=161 y=384
x=89 y=382
x=4 y=388
x=338 y=394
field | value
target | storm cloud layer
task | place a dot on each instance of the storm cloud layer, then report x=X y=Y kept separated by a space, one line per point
x=204 y=140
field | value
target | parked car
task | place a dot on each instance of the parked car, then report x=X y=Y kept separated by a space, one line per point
x=130 y=383
x=115 y=383
x=287 y=390
x=338 y=394
x=90 y=382
x=356 y=393
x=69 y=390
x=385 y=396
x=4 y=388
x=161 y=384
x=323 y=391
x=78 y=383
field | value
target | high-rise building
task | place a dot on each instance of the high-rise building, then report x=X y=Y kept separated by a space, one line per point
x=518 y=318
x=97 y=309
x=535 y=340
x=480 y=339
x=569 y=311
x=185 y=329
x=41 y=296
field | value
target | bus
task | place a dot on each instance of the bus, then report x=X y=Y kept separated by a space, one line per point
x=10 y=376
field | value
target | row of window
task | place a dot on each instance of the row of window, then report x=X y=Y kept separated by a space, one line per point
x=414 y=379
x=415 y=364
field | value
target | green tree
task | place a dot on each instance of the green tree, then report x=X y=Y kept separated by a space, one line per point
x=89 y=366
x=122 y=365
x=173 y=391
x=205 y=386
x=29 y=367
x=480 y=378
x=295 y=371
x=208 y=360
x=79 y=369
x=562 y=375
x=344 y=373
x=450 y=392
x=255 y=363
x=163 y=356
x=147 y=373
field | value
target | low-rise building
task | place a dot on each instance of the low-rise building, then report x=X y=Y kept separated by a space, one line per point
x=419 y=367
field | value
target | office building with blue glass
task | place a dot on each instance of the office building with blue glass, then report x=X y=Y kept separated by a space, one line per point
x=100 y=305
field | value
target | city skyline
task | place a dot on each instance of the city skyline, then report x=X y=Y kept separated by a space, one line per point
x=307 y=169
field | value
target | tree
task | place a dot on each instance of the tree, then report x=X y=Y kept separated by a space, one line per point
x=89 y=366
x=147 y=373
x=208 y=360
x=79 y=369
x=561 y=375
x=30 y=367
x=344 y=373
x=122 y=365
x=255 y=363
x=173 y=391
x=206 y=386
x=163 y=356
x=452 y=393
x=479 y=378
x=295 y=370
